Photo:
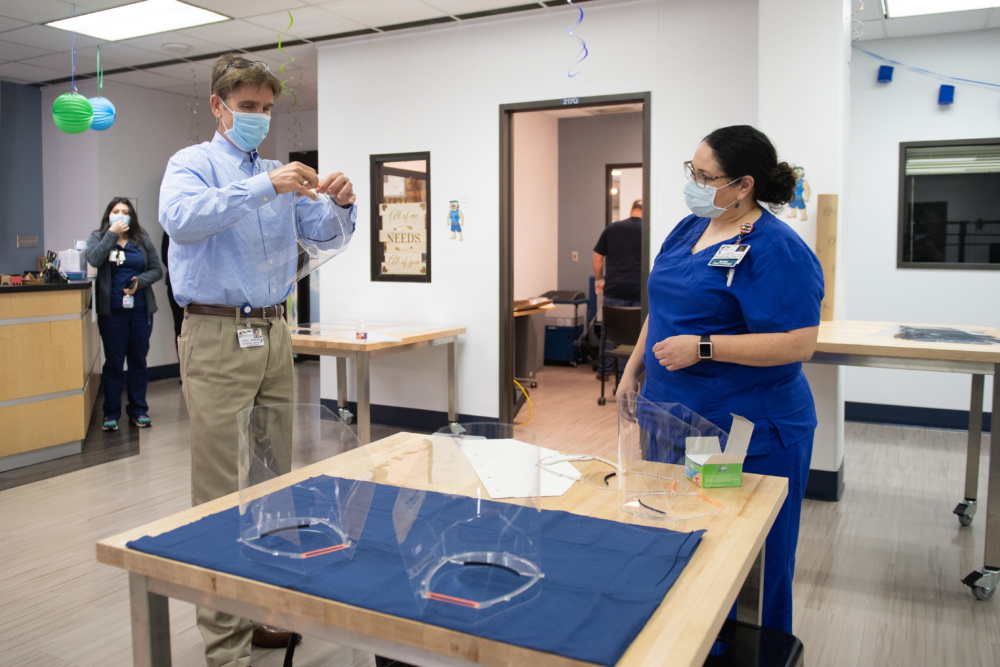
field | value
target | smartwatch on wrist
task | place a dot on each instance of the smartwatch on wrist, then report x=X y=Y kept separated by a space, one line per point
x=705 y=347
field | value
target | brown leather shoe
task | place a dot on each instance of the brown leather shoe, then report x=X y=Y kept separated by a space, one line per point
x=266 y=636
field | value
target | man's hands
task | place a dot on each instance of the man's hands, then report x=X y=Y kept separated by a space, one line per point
x=677 y=352
x=303 y=180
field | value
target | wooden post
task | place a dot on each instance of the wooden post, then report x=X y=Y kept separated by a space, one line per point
x=826 y=249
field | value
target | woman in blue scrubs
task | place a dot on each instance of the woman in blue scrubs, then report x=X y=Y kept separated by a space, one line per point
x=724 y=339
x=127 y=267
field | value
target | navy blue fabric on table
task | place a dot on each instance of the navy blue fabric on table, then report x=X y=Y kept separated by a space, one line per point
x=603 y=579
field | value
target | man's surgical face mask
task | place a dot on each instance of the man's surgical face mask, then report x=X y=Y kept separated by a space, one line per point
x=701 y=199
x=248 y=130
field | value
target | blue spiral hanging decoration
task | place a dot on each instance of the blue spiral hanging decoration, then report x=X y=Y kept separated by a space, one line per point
x=582 y=54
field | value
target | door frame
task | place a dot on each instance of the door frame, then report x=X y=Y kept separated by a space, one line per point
x=506 y=291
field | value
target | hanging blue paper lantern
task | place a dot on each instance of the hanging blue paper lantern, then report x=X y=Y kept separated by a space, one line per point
x=946 y=95
x=104 y=113
x=885 y=74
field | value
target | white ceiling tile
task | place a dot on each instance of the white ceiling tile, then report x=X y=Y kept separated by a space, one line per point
x=155 y=44
x=244 y=8
x=307 y=22
x=232 y=34
x=127 y=56
x=383 y=12
x=88 y=6
x=455 y=7
x=12 y=51
x=188 y=72
x=44 y=37
x=36 y=11
x=934 y=24
x=142 y=78
x=10 y=24
x=29 y=73
x=304 y=55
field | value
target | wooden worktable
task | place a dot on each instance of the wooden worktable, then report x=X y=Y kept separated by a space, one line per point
x=683 y=628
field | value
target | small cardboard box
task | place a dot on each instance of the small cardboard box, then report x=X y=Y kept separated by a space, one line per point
x=707 y=466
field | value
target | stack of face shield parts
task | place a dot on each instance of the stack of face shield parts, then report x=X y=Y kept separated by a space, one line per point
x=651 y=435
x=289 y=511
x=319 y=238
x=467 y=554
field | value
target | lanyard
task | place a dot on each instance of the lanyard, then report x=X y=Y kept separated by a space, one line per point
x=745 y=229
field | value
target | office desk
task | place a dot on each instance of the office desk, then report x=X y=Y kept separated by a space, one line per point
x=729 y=558
x=873 y=345
x=338 y=340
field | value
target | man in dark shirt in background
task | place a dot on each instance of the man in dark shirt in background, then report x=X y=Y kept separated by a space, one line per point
x=618 y=270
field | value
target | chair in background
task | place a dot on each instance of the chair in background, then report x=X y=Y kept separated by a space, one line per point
x=622 y=325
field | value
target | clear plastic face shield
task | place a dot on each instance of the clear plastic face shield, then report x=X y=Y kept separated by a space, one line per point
x=317 y=511
x=652 y=438
x=319 y=237
x=473 y=551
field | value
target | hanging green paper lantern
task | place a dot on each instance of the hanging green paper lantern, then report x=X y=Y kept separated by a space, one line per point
x=72 y=113
x=104 y=113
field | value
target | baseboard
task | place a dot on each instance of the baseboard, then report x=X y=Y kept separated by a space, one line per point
x=423 y=421
x=826 y=484
x=163 y=372
x=903 y=415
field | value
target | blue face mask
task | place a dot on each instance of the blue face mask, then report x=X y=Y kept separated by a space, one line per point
x=701 y=200
x=115 y=217
x=248 y=130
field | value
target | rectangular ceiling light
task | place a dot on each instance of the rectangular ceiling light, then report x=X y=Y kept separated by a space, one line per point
x=895 y=9
x=138 y=19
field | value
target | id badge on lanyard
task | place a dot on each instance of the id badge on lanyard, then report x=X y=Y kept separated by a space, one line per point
x=731 y=255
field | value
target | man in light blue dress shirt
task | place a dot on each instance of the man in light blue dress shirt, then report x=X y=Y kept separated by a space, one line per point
x=236 y=223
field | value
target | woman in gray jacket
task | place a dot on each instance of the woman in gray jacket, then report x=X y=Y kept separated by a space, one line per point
x=127 y=266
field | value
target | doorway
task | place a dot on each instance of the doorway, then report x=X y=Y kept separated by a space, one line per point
x=563 y=108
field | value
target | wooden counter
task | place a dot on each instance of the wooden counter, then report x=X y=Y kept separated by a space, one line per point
x=50 y=356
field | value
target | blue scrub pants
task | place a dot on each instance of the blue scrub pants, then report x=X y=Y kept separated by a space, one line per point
x=791 y=462
x=125 y=334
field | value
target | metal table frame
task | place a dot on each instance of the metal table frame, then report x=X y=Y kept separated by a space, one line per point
x=362 y=373
x=983 y=582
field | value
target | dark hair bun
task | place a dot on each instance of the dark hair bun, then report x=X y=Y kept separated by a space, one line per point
x=743 y=150
x=780 y=185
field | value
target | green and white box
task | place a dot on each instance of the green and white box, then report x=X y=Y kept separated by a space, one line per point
x=706 y=465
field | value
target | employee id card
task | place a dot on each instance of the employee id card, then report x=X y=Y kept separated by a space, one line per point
x=250 y=337
x=730 y=255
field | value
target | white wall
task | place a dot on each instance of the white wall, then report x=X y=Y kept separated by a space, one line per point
x=882 y=116
x=84 y=171
x=451 y=108
x=536 y=203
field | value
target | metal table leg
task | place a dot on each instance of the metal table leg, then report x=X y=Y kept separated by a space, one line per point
x=984 y=582
x=750 y=601
x=345 y=414
x=452 y=400
x=150 y=625
x=967 y=508
x=363 y=361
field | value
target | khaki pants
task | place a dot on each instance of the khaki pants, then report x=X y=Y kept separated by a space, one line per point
x=219 y=379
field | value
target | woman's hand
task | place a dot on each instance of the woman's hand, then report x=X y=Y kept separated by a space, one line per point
x=119 y=227
x=132 y=287
x=677 y=352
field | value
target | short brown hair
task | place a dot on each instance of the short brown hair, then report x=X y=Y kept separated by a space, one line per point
x=637 y=204
x=231 y=70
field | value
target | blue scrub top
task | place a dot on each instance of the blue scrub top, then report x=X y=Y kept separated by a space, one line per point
x=777 y=287
x=121 y=276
